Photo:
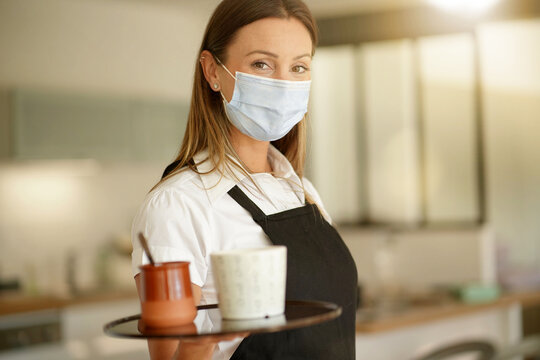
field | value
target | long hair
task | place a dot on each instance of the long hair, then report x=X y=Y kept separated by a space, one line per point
x=207 y=125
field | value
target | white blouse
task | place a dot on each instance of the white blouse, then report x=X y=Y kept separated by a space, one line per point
x=190 y=215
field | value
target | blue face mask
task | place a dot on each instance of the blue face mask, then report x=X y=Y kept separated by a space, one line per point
x=266 y=109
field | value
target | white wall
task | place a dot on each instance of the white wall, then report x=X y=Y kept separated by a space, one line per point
x=417 y=259
x=128 y=47
x=51 y=209
x=117 y=47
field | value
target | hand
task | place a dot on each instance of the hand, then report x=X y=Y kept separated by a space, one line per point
x=213 y=339
x=202 y=347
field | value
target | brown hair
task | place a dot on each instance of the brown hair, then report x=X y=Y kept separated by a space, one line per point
x=207 y=125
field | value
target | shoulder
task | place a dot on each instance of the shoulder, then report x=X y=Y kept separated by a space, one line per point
x=175 y=218
x=184 y=186
x=176 y=198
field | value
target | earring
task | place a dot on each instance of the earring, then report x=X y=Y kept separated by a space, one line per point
x=216 y=86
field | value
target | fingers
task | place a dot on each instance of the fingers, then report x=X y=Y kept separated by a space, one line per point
x=213 y=339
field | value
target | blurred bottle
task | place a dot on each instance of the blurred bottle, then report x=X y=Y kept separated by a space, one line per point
x=389 y=291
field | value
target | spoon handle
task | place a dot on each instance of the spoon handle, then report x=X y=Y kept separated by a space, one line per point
x=144 y=244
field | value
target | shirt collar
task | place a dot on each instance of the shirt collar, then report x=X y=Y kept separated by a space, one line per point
x=216 y=185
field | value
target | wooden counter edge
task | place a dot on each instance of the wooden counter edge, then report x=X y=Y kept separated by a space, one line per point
x=25 y=304
x=424 y=315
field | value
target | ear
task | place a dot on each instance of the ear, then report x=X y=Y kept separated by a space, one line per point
x=209 y=67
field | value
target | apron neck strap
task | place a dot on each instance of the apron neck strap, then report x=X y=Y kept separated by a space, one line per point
x=244 y=201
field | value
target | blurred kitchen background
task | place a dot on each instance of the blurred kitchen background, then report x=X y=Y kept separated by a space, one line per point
x=424 y=145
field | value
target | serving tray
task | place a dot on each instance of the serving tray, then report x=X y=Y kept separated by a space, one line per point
x=297 y=314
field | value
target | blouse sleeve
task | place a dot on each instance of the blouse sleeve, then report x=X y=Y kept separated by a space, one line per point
x=176 y=228
x=310 y=189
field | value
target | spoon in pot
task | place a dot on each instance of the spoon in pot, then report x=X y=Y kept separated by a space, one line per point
x=144 y=244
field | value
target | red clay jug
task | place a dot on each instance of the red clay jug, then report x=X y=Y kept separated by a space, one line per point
x=166 y=296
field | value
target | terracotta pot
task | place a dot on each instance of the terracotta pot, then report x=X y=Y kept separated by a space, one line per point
x=166 y=296
x=188 y=329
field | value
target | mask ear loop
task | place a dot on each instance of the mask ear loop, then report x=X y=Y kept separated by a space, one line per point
x=228 y=72
x=223 y=65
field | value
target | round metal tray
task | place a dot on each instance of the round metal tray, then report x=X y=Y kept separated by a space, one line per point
x=297 y=314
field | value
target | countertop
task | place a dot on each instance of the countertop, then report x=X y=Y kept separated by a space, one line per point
x=371 y=321
x=18 y=303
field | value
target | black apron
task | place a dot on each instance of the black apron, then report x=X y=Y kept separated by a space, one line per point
x=319 y=267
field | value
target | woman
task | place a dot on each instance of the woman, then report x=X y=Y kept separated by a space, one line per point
x=237 y=181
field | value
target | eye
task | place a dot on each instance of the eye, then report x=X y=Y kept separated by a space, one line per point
x=299 y=69
x=259 y=65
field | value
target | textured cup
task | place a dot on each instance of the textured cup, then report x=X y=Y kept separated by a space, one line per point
x=166 y=296
x=250 y=282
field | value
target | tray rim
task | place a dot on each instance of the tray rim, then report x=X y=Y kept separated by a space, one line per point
x=334 y=312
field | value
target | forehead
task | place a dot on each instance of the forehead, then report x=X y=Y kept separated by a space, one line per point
x=285 y=37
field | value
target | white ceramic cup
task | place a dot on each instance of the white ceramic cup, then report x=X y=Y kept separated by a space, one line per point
x=250 y=282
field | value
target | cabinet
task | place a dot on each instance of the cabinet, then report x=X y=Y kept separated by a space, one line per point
x=500 y=326
x=399 y=122
x=82 y=334
x=83 y=331
x=54 y=125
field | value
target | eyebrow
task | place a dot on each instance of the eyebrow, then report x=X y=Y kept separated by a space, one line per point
x=275 y=55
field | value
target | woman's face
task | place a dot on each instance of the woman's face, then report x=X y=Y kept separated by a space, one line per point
x=270 y=47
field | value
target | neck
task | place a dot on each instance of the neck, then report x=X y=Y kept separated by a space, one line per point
x=253 y=153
